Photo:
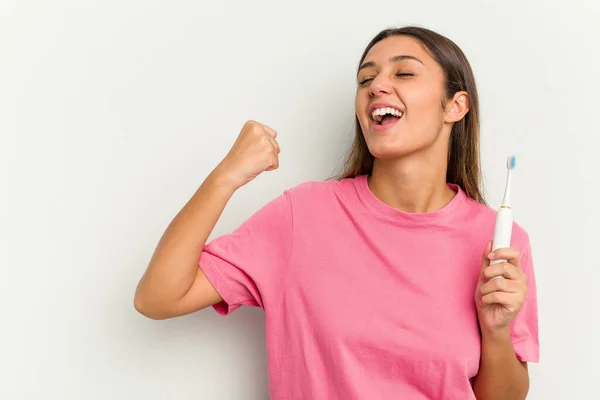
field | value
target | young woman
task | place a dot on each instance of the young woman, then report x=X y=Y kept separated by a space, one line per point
x=374 y=284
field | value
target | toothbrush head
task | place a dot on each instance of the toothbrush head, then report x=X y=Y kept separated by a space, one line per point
x=511 y=163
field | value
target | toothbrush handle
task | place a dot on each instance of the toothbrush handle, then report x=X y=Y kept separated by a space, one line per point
x=502 y=232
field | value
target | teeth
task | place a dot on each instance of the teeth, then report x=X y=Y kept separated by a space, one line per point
x=379 y=113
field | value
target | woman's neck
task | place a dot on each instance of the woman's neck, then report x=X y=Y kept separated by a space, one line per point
x=412 y=184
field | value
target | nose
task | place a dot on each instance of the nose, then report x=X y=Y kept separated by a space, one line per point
x=380 y=86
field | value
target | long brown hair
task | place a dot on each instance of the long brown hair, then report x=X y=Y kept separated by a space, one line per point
x=464 y=165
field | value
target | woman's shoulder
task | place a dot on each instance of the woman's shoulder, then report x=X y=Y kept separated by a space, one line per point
x=486 y=215
x=314 y=189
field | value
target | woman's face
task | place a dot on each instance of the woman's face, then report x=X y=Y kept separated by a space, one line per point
x=399 y=98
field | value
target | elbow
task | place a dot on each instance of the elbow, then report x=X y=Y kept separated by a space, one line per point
x=145 y=306
x=141 y=306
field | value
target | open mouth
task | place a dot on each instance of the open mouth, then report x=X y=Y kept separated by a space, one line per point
x=386 y=116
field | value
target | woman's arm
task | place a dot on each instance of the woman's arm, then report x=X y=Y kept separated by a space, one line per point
x=173 y=284
x=500 y=294
x=501 y=375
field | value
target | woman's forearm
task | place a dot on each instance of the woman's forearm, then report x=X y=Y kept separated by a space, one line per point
x=501 y=375
x=174 y=264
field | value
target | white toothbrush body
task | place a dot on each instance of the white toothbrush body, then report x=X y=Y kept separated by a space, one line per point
x=504 y=218
x=502 y=231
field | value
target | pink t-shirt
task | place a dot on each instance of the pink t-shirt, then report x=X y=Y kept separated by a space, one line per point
x=363 y=301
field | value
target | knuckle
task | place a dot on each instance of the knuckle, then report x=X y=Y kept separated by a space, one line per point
x=483 y=290
x=488 y=273
x=500 y=284
x=256 y=128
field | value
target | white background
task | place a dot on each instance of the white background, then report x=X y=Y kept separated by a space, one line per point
x=114 y=111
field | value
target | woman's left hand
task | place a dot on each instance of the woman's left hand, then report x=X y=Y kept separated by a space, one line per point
x=500 y=300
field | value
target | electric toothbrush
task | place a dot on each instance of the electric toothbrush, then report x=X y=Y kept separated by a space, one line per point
x=504 y=218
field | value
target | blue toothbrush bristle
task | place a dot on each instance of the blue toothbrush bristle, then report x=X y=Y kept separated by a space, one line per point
x=512 y=162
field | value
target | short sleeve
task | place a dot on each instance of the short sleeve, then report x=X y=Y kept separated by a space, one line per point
x=524 y=327
x=248 y=266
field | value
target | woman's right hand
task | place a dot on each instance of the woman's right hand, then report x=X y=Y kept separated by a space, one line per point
x=256 y=150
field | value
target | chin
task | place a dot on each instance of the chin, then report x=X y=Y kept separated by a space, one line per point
x=396 y=144
x=384 y=152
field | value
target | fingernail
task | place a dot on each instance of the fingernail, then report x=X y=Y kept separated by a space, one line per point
x=491 y=255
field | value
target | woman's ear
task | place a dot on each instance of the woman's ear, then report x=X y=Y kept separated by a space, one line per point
x=457 y=107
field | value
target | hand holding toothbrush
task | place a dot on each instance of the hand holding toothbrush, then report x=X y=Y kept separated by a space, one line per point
x=499 y=300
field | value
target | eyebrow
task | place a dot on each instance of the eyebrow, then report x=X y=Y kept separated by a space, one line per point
x=392 y=60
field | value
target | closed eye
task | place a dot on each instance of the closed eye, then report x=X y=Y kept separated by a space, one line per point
x=399 y=74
